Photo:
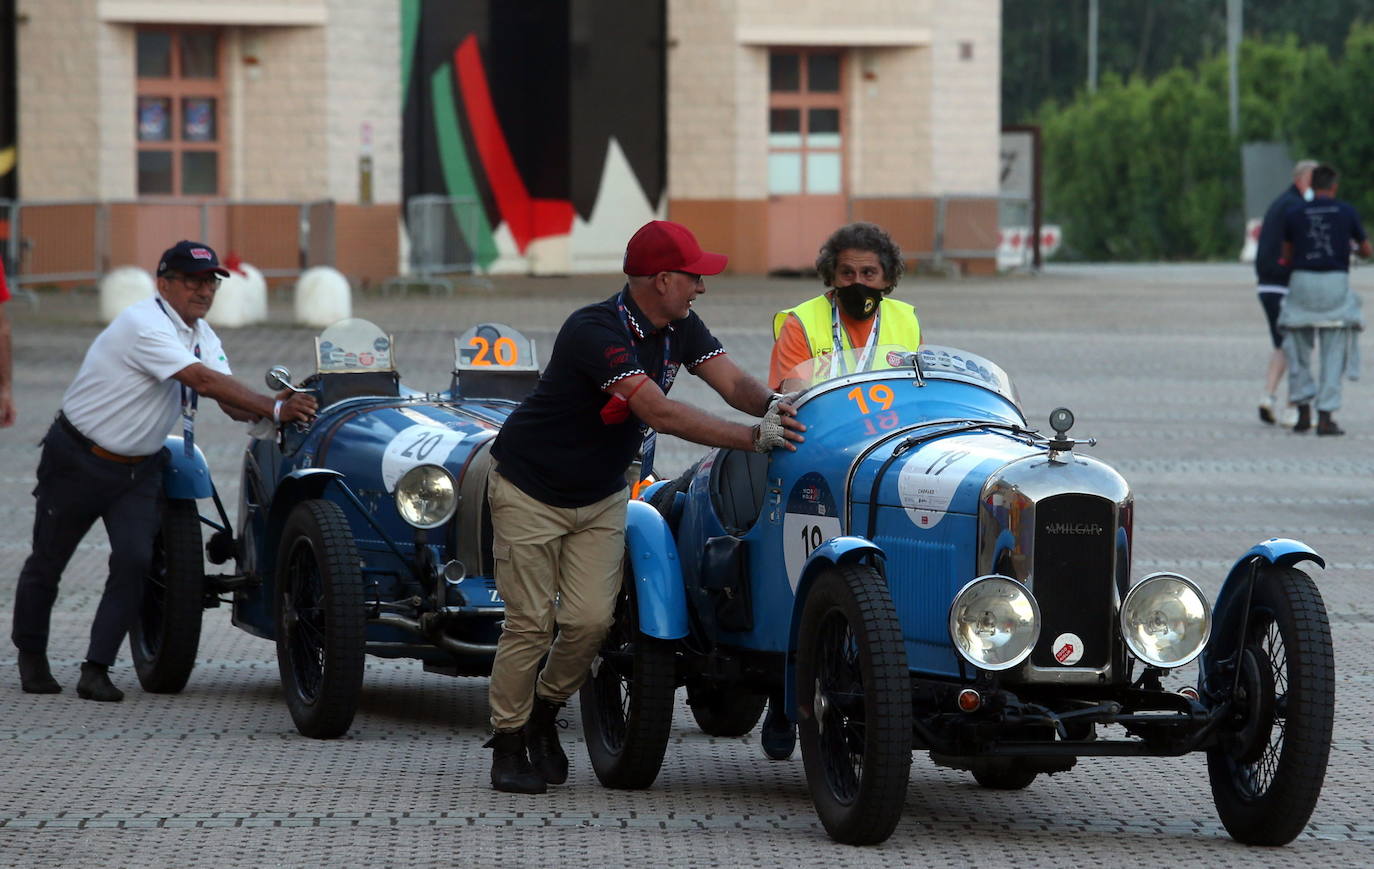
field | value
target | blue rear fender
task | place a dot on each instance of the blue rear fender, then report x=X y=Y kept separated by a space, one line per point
x=831 y=553
x=1231 y=599
x=186 y=478
x=661 y=598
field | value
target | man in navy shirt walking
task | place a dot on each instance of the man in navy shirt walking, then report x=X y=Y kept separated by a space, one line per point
x=1321 y=309
x=558 y=490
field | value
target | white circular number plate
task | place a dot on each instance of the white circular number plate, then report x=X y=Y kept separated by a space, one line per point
x=417 y=445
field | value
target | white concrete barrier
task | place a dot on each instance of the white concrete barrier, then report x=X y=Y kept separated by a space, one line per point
x=322 y=297
x=121 y=288
x=1251 y=246
x=233 y=307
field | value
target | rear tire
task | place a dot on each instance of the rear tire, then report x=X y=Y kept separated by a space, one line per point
x=627 y=701
x=727 y=715
x=320 y=619
x=855 y=698
x=1003 y=774
x=165 y=636
x=1268 y=773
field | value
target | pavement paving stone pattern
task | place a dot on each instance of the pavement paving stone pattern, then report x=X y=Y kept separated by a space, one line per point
x=1162 y=364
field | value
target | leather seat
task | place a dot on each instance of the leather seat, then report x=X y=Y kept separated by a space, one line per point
x=738 y=481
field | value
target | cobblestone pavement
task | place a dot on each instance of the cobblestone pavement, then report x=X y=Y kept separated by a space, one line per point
x=1163 y=364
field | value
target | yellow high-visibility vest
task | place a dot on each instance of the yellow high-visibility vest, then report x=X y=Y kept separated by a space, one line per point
x=897 y=324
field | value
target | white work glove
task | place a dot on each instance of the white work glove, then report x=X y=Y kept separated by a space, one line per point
x=768 y=433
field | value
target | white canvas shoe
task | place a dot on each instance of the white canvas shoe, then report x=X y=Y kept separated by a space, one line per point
x=1266 y=409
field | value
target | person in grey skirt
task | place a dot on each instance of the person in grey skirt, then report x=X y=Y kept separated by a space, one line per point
x=1321 y=310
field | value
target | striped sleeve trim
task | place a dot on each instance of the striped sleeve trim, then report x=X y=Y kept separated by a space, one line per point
x=619 y=377
x=719 y=351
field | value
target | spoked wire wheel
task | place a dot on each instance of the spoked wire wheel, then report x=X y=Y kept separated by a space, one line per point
x=1267 y=773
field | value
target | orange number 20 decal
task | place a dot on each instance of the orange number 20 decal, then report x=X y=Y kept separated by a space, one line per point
x=502 y=352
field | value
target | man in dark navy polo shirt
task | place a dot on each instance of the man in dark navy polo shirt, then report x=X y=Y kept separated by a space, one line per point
x=557 y=492
x=1318 y=237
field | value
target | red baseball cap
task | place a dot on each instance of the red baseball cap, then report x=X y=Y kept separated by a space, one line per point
x=664 y=246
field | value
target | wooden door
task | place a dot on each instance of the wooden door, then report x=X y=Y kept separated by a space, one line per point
x=806 y=151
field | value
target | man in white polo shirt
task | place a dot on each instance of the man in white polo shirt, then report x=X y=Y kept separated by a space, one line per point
x=103 y=457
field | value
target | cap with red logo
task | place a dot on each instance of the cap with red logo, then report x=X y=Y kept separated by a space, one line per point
x=664 y=246
x=190 y=258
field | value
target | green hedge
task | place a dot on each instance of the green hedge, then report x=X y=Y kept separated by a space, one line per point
x=1148 y=170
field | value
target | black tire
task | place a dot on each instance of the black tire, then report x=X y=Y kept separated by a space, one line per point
x=1003 y=773
x=165 y=636
x=854 y=692
x=627 y=701
x=1268 y=772
x=728 y=715
x=321 y=621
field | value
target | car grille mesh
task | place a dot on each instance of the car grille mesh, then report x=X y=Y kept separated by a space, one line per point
x=1072 y=577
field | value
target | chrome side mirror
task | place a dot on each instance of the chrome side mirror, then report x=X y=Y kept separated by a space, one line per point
x=279 y=378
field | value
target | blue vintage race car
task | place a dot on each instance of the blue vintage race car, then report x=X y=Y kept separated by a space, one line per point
x=366 y=532
x=926 y=572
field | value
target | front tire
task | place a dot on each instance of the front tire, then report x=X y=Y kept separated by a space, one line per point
x=320 y=619
x=855 y=696
x=165 y=636
x=1267 y=774
x=627 y=701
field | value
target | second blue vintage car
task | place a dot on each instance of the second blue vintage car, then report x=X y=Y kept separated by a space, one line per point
x=365 y=533
x=928 y=573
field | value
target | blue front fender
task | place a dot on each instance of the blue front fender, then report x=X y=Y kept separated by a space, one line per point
x=1231 y=599
x=658 y=574
x=186 y=478
x=836 y=551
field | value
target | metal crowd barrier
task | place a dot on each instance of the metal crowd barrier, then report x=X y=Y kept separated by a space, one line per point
x=77 y=241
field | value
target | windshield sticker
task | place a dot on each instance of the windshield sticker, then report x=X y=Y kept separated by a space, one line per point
x=417 y=445
x=811 y=519
x=930 y=478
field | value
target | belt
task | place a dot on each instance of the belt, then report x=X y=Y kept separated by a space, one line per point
x=94 y=447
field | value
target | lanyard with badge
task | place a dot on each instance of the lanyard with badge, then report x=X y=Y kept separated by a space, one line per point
x=646 y=450
x=837 y=335
x=188 y=401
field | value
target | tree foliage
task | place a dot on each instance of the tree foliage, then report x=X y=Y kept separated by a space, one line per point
x=1146 y=168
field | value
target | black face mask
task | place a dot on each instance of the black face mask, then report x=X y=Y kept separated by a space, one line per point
x=858 y=301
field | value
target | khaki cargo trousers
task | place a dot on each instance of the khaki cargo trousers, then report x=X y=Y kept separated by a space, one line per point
x=553 y=565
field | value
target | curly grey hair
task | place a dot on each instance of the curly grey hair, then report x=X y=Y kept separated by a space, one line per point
x=861 y=236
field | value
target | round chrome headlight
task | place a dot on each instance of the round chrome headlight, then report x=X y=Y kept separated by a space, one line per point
x=1165 y=620
x=426 y=496
x=994 y=622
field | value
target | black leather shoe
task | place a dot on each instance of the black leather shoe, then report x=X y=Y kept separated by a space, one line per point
x=546 y=755
x=95 y=684
x=778 y=735
x=1304 y=418
x=34 y=675
x=1326 y=425
x=510 y=765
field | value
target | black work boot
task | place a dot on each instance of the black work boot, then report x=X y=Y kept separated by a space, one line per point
x=1304 y=418
x=34 y=675
x=1326 y=425
x=546 y=755
x=510 y=766
x=95 y=684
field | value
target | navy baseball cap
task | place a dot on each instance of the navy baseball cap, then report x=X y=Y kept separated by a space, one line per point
x=190 y=258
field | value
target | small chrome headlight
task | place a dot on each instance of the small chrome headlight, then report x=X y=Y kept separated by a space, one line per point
x=994 y=622
x=1165 y=620
x=426 y=496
